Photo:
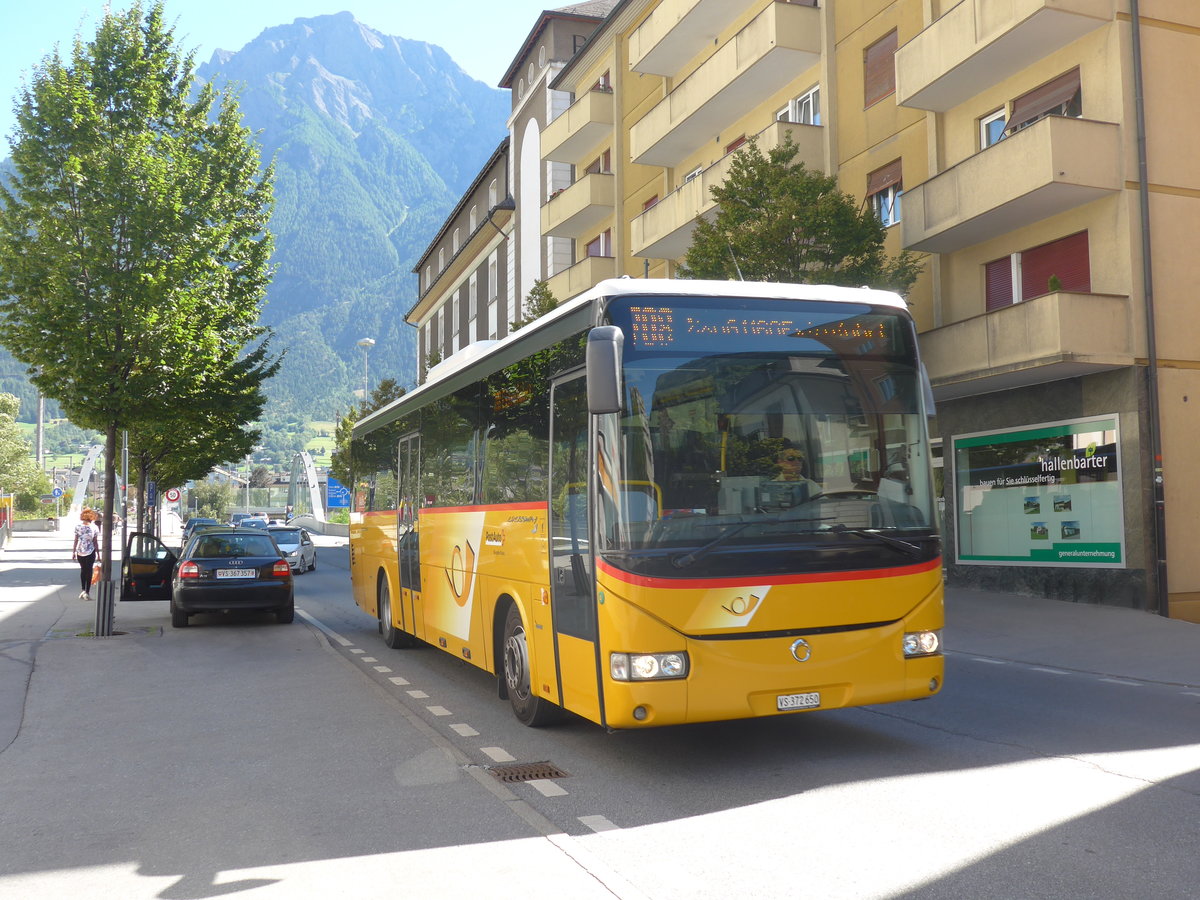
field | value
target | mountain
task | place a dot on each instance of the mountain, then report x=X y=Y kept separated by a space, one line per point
x=374 y=139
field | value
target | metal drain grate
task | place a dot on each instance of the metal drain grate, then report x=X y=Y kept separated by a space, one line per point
x=526 y=772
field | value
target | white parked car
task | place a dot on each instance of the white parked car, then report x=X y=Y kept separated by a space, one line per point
x=297 y=546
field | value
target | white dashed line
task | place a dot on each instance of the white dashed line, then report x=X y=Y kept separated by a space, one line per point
x=439 y=710
x=464 y=730
x=333 y=635
x=356 y=650
x=398 y=680
x=382 y=668
x=498 y=754
x=1049 y=671
x=598 y=823
x=368 y=659
x=546 y=787
x=1191 y=693
x=1120 y=681
x=418 y=695
x=990 y=662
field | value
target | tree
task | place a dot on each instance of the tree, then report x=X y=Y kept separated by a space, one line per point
x=133 y=244
x=340 y=463
x=538 y=302
x=779 y=221
x=19 y=472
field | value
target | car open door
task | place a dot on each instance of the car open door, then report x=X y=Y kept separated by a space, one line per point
x=146 y=574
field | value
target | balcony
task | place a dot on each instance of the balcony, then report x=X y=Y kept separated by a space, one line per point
x=578 y=209
x=664 y=231
x=585 y=274
x=676 y=31
x=979 y=43
x=764 y=57
x=1045 y=169
x=1048 y=338
x=579 y=127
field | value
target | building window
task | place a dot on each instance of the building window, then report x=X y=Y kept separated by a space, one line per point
x=454 y=244
x=601 y=245
x=884 y=188
x=991 y=128
x=734 y=144
x=1061 y=265
x=473 y=296
x=492 y=194
x=474 y=220
x=521 y=89
x=1061 y=97
x=542 y=56
x=804 y=110
x=428 y=278
x=493 y=276
x=879 y=69
x=441 y=259
x=602 y=164
x=577 y=41
x=694 y=174
x=603 y=83
x=454 y=333
x=653 y=201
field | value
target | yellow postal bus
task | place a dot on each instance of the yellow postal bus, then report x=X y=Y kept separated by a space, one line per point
x=666 y=502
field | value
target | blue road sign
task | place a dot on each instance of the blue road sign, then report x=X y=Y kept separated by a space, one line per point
x=337 y=495
x=56 y=493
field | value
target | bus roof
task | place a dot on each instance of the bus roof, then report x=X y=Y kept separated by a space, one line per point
x=482 y=358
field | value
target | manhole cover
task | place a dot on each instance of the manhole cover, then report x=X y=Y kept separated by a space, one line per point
x=526 y=771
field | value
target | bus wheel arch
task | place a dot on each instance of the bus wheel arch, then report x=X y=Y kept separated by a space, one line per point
x=393 y=637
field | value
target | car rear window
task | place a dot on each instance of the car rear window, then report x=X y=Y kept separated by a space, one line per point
x=215 y=546
x=290 y=535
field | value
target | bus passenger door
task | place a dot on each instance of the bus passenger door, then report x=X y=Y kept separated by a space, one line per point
x=572 y=597
x=407 y=544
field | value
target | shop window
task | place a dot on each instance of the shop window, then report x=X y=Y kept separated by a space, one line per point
x=879 y=69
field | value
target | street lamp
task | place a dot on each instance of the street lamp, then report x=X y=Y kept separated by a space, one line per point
x=366 y=344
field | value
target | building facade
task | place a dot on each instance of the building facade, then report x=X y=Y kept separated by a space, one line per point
x=1031 y=151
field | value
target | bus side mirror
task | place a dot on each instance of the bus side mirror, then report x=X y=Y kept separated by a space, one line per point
x=604 y=369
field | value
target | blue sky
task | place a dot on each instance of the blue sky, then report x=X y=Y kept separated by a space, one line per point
x=482 y=36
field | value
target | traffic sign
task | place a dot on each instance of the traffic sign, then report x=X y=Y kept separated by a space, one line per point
x=56 y=493
x=172 y=495
x=337 y=495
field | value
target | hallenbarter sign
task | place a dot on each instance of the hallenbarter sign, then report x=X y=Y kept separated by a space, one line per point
x=1043 y=495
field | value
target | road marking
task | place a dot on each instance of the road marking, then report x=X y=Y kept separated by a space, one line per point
x=1120 y=681
x=418 y=695
x=464 y=730
x=381 y=668
x=546 y=787
x=990 y=662
x=498 y=754
x=598 y=823
x=1191 y=693
x=367 y=659
x=356 y=650
x=1049 y=671
x=333 y=635
x=439 y=710
x=398 y=680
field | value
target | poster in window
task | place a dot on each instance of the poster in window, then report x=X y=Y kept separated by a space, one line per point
x=1042 y=495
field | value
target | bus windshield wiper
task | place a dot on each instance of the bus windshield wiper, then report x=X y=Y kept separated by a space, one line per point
x=905 y=546
x=683 y=560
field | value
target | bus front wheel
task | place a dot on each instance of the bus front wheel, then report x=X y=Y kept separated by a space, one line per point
x=529 y=709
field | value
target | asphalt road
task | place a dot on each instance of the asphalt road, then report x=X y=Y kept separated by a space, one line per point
x=241 y=757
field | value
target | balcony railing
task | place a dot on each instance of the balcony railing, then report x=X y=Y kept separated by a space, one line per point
x=677 y=30
x=764 y=57
x=578 y=209
x=1047 y=168
x=585 y=274
x=579 y=127
x=979 y=43
x=1055 y=336
x=664 y=231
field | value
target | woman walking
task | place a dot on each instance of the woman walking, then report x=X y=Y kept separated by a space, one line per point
x=87 y=541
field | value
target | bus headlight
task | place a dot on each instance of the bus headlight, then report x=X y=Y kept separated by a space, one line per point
x=647 y=666
x=922 y=643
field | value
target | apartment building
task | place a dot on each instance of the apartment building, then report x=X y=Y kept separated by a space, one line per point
x=1002 y=141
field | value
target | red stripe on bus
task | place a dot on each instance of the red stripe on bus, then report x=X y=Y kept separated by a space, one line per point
x=484 y=507
x=698 y=583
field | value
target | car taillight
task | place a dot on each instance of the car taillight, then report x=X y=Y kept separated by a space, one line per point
x=281 y=569
x=189 y=570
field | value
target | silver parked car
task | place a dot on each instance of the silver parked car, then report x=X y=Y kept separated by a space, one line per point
x=297 y=546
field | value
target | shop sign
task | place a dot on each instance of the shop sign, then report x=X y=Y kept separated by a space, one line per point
x=1044 y=495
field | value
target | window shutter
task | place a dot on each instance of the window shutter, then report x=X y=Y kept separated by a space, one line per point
x=1040 y=99
x=997 y=277
x=884 y=177
x=1066 y=258
x=879 y=69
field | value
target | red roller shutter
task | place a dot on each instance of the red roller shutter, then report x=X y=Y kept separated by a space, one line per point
x=998 y=283
x=1066 y=258
x=879 y=65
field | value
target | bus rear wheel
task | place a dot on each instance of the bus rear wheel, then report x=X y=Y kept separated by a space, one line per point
x=392 y=636
x=529 y=709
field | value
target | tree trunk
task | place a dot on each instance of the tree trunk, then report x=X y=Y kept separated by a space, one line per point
x=104 y=611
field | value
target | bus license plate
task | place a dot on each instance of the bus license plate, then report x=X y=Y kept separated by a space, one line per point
x=810 y=700
x=235 y=573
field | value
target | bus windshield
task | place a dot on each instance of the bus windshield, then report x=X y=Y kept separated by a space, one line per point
x=765 y=437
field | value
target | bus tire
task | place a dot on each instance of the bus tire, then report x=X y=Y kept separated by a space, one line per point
x=393 y=637
x=529 y=709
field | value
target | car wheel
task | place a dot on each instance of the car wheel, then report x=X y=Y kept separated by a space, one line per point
x=529 y=709
x=179 y=618
x=285 y=614
x=393 y=637
x=313 y=565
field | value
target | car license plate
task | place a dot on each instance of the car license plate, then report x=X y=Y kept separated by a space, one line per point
x=810 y=700
x=235 y=573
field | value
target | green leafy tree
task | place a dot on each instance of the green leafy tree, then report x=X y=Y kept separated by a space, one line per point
x=133 y=244
x=341 y=465
x=213 y=500
x=539 y=301
x=779 y=221
x=19 y=473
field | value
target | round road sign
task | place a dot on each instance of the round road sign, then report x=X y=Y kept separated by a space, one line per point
x=172 y=495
